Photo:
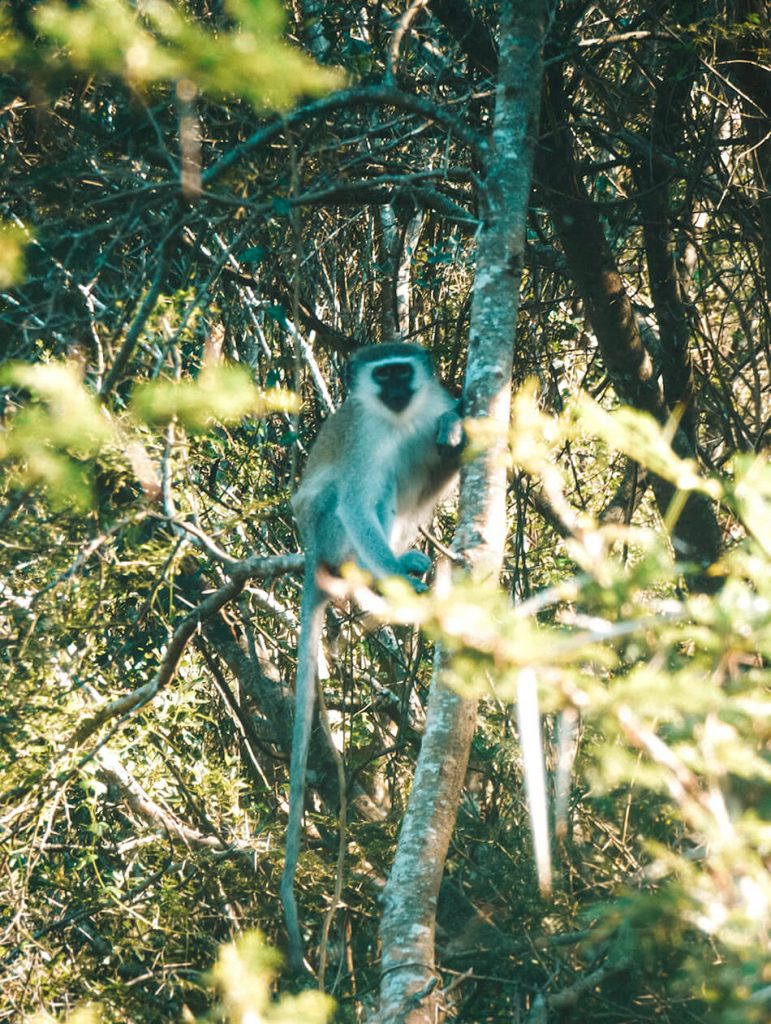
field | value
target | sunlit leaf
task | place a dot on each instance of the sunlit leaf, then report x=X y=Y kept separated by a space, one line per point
x=13 y=241
x=52 y=435
x=244 y=975
x=222 y=394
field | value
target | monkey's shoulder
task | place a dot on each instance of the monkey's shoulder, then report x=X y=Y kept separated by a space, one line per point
x=331 y=438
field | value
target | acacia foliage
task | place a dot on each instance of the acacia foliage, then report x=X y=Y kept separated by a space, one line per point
x=154 y=230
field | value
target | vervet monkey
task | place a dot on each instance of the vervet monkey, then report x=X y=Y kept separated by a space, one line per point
x=374 y=475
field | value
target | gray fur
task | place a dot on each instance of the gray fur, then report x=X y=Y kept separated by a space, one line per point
x=374 y=475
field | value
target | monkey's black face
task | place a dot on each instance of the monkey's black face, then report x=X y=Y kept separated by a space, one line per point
x=395 y=384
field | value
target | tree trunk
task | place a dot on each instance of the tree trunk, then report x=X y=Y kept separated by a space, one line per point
x=743 y=56
x=408 y=979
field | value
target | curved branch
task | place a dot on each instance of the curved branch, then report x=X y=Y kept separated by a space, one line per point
x=366 y=95
x=239 y=573
x=696 y=533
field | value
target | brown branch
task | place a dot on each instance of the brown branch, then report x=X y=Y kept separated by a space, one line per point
x=143 y=804
x=696 y=533
x=627 y=496
x=166 y=670
x=653 y=174
x=250 y=740
x=570 y=995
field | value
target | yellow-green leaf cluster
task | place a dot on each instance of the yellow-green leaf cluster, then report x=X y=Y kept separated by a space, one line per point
x=639 y=436
x=10 y=44
x=220 y=393
x=154 y=41
x=244 y=974
x=51 y=436
x=13 y=242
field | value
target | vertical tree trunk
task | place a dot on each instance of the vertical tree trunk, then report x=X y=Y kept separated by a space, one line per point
x=408 y=983
x=744 y=56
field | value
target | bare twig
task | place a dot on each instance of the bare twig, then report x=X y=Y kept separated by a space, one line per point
x=88 y=550
x=343 y=826
x=143 y=804
x=363 y=96
x=130 y=702
x=145 y=309
x=310 y=358
x=529 y=722
x=399 y=33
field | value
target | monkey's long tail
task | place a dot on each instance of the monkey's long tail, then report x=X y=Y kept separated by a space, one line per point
x=311 y=624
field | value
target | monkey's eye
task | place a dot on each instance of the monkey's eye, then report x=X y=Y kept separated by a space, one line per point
x=393 y=373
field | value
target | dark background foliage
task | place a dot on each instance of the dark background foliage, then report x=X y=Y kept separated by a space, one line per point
x=169 y=224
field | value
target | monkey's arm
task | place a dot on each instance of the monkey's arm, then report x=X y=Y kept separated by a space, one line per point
x=366 y=534
x=450 y=441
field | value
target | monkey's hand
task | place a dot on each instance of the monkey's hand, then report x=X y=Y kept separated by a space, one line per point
x=449 y=431
x=414 y=563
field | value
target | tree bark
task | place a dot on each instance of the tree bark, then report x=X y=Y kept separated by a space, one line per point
x=408 y=990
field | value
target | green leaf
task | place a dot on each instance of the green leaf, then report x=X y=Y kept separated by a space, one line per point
x=13 y=241
x=256 y=254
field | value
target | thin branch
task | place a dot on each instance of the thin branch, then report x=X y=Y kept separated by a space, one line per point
x=143 y=804
x=145 y=309
x=386 y=95
x=342 y=834
x=130 y=702
x=204 y=540
x=399 y=33
x=570 y=995
x=88 y=550
x=310 y=358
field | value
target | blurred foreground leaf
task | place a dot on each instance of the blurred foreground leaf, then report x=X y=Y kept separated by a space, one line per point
x=672 y=689
x=13 y=242
x=154 y=41
x=51 y=437
x=244 y=975
x=223 y=393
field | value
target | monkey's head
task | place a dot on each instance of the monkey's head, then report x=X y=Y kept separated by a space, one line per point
x=391 y=374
